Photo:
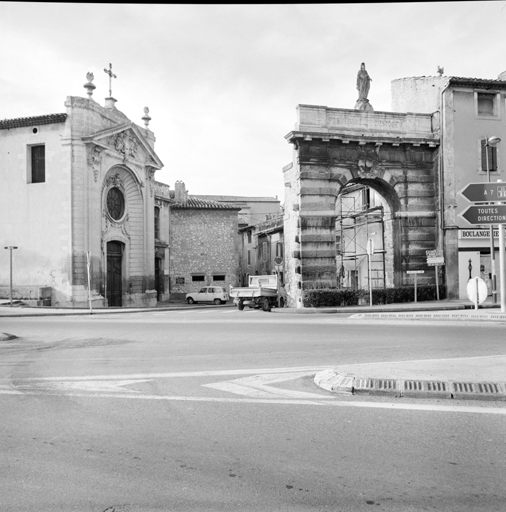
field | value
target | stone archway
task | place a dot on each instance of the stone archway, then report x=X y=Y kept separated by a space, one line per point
x=360 y=217
x=329 y=153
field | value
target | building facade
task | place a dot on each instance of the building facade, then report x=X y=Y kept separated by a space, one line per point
x=470 y=111
x=203 y=243
x=78 y=190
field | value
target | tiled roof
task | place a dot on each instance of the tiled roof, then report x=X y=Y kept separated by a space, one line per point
x=460 y=80
x=198 y=204
x=7 y=124
x=480 y=82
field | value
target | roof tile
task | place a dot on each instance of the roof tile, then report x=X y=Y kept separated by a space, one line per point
x=7 y=124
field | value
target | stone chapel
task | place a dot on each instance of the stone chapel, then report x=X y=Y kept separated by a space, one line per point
x=78 y=201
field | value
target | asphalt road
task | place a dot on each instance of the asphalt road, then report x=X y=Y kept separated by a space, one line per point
x=216 y=410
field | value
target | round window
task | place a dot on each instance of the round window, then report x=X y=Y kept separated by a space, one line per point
x=115 y=203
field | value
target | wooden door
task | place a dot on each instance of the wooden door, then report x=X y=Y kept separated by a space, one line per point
x=158 y=278
x=114 y=273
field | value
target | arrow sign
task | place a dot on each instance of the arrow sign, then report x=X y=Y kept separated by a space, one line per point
x=481 y=192
x=486 y=214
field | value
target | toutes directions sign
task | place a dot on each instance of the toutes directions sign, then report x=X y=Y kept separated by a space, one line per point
x=487 y=214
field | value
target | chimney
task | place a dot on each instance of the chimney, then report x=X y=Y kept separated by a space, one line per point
x=180 y=194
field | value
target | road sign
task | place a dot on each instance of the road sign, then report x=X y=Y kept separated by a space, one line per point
x=486 y=214
x=480 y=192
x=477 y=291
x=370 y=247
x=415 y=271
x=434 y=258
x=278 y=260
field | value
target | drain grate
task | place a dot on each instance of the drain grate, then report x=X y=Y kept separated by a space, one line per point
x=425 y=388
x=478 y=390
x=375 y=386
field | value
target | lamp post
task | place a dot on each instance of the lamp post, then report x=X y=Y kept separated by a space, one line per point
x=492 y=142
x=10 y=247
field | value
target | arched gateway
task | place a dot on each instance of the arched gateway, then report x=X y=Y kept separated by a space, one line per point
x=391 y=153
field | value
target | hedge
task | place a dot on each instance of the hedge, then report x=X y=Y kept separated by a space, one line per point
x=328 y=297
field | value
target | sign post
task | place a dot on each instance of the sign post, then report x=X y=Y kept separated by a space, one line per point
x=370 y=252
x=10 y=247
x=435 y=259
x=416 y=272
x=88 y=263
x=489 y=214
x=278 y=262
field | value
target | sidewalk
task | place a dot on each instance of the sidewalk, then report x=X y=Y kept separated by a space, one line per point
x=20 y=309
x=459 y=309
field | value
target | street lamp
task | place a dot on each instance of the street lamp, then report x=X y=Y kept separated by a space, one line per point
x=492 y=142
x=10 y=247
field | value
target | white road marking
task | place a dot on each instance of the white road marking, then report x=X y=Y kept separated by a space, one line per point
x=204 y=373
x=369 y=405
x=96 y=385
x=257 y=386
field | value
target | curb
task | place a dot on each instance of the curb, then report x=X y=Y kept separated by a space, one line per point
x=107 y=311
x=379 y=309
x=332 y=381
x=500 y=317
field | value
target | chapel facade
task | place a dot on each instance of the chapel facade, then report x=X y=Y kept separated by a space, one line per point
x=81 y=205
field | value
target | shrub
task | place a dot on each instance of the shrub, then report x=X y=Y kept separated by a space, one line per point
x=332 y=297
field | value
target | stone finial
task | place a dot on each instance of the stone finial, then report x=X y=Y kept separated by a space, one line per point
x=89 y=86
x=146 y=117
x=440 y=70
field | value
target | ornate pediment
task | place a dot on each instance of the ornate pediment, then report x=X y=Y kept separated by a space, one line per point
x=126 y=141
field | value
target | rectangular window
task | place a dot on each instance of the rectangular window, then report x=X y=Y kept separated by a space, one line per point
x=249 y=236
x=486 y=104
x=219 y=277
x=492 y=157
x=38 y=164
x=179 y=280
x=199 y=278
x=279 y=250
x=264 y=251
x=249 y=257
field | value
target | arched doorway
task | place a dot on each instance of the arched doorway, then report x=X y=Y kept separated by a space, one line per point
x=114 y=273
x=364 y=212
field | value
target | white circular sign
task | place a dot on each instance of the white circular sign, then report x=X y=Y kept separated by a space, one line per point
x=476 y=285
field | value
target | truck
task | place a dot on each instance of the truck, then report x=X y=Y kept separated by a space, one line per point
x=263 y=292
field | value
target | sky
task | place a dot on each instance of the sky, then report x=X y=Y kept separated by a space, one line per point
x=222 y=82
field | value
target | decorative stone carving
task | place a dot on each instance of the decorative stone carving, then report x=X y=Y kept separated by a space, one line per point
x=94 y=160
x=150 y=172
x=89 y=86
x=124 y=143
x=114 y=180
x=367 y=163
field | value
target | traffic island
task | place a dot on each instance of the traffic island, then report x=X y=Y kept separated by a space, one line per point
x=5 y=336
x=333 y=381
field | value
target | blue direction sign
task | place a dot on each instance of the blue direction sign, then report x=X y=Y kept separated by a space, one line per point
x=481 y=192
x=486 y=214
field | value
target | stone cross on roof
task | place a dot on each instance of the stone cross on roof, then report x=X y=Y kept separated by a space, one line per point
x=111 y=75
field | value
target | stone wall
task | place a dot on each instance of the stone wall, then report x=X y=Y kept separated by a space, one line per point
x=202 y=243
